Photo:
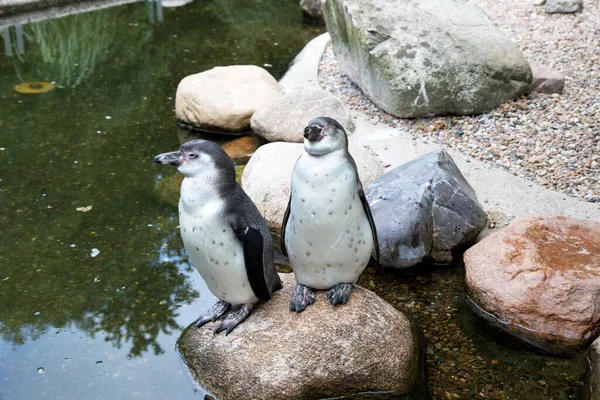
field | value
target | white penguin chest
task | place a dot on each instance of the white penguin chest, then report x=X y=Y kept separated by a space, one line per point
x=328 y=236
x=214 y=248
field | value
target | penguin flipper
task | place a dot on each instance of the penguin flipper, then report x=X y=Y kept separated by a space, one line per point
x=367 y=209
x=252 y=243
x=286 y=216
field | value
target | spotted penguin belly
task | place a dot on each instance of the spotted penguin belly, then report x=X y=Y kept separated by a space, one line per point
x=217 y=254
x=328 y=235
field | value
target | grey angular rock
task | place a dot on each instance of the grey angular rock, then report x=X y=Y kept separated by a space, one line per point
x=417 y=58
x=284 y=120
x=592 y=386
x=365 y=345
x=546 y=79
x=562 y=6
x=424 y=209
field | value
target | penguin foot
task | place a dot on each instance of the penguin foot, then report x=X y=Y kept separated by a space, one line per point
x=234 y=318
x=214 y=313
x=339 y=293
x=302 y=297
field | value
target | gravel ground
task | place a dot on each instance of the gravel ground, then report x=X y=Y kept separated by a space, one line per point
x=553 y=140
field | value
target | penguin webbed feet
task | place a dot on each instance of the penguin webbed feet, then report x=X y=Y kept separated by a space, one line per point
x=339 y=294
x=233 y=319
x=214 y=313
x=302 y=297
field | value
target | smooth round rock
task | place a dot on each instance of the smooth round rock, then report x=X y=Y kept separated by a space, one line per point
x=267 y=176
x=285 y=119
x=538 y=279
x=223 y=99
x=365 y=345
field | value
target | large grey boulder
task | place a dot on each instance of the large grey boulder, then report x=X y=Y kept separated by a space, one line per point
x=285 y=119
x=538 y=280
x=365 y=345
x=562 y=6
x=416 y=58
x=223 y=99
x=424 y=209
x=267 y=176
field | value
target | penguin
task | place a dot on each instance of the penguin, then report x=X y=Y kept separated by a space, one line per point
x=328 y=231
x=225 y=236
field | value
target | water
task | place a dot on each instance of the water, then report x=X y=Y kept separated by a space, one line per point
x=95 y=287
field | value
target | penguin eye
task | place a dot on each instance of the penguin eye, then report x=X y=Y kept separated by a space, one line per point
x=192 y=155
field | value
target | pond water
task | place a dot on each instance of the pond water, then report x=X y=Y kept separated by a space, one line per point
x=95 y=287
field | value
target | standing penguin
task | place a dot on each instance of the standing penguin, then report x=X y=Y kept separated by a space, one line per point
x=224 y=234
x=328 y=231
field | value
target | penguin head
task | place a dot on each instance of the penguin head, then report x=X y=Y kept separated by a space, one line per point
x=324 y=135
x=200 y=158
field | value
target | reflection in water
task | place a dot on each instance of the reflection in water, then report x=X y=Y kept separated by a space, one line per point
x=135 y=312
x=70 y=51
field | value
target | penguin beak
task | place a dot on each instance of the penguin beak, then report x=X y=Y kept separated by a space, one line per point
x=171 y=158
x=314 y=133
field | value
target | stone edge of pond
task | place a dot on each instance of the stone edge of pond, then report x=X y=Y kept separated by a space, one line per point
x=15 y=12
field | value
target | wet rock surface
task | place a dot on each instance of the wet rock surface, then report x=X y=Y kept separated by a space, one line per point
x=240 y=150
x=223 y=99
x=538 y=279
x=267 y=177
x=592 y=387
x=424 y=209
x=423 y=58
x=285 y=119
x=363 y=346
x=312 y=11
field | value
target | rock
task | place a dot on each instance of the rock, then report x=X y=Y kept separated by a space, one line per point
x=285 y=119
x=312 y=11
x=175 y=3
x=267 y=177
x=562 y=6
x=223 y=99
x=424 y=209
x=592 y=381
x=240 y=150
x=167 y=189
x=539 y=2
x=416 y=58
x=304 y=70
x=538 y=279
x=363 y=346
x=546 y=79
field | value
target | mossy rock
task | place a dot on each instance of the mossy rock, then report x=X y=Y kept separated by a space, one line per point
x=167 y=189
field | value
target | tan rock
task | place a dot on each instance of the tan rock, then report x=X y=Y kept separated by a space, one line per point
x=267 y=176
x=285 y=119
x=539 y=280
x=240 y=150
x=364 y=345
x=546 y=79
x=223 y=99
